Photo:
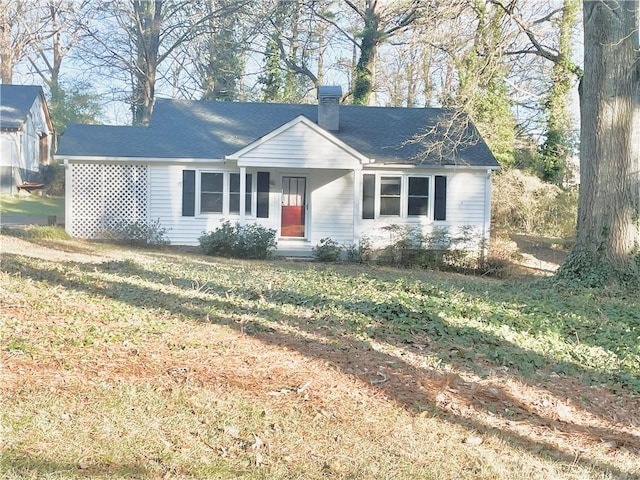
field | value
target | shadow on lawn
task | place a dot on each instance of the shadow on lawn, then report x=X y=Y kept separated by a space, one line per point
x=18 y=464
x=412 y=387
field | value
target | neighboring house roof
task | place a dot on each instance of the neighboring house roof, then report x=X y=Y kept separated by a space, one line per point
x=15 y=103
x=183 y=129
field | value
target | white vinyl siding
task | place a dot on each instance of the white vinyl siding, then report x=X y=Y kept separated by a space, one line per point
x=299 y=147
x=332 y=206
x=466 y=198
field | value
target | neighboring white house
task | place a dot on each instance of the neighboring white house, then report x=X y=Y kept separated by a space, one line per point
x=26 y=135
x=309 y=172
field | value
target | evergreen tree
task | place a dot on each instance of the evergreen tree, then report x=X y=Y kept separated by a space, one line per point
x=557 y=147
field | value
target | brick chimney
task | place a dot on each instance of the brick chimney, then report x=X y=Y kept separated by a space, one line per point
x=329 y=107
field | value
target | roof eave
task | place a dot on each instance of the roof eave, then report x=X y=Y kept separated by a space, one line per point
x=125 y=159
x=383 y=164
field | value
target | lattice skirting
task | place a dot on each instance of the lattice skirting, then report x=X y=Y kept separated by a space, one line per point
x=103 y=196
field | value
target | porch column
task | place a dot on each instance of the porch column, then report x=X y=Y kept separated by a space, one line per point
x=486 y=233
x=357 y=204
x=243 y=194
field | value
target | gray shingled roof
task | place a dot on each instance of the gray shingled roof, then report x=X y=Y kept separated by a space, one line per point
x=15 y=103
x=211 y=130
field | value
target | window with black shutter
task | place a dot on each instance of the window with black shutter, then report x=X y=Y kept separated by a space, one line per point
x=263 y=195
x=440 y=200
x=188 y=193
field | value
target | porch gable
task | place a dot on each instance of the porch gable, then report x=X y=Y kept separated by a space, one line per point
x=300 y=143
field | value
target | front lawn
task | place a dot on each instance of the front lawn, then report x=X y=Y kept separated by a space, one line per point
x=32 y=205
x=128 y=363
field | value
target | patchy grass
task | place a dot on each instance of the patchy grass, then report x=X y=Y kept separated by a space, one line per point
x=32 y=205
x=36 y=231
x=121 y=363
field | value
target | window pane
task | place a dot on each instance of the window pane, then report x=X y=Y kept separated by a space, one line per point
x=234 y=182
x=418 y=186
x=389 y=205
x=390 y=186
x=418 y=201
x=234 y=203
x=418 y=206
x=212 y=182
x=211 y=202
x=249 y=194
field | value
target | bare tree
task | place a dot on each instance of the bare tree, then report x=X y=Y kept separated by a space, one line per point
x=379 y=21
x=294 y=48
x=219 y=59
x=20 y=29
x=133 y=39
x=60 y=34
x=474 y=86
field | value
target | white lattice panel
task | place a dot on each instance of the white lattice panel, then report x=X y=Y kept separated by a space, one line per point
x=102 y=195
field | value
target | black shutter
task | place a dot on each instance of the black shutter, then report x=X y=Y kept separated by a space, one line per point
x=440 y=207
x=188 y=193
x=368 y=196
x=263 y=195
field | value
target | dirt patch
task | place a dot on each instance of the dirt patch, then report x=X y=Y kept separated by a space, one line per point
x=539 y=257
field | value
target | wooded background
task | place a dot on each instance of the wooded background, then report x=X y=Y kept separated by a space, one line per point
x=509 y=64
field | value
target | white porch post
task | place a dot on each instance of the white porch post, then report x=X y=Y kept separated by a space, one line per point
x=486 y=234
x=243 y=194
x=357 y=207
x=68 y=205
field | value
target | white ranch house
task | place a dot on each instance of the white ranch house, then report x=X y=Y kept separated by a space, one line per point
x=26 y=135
x=309 y=172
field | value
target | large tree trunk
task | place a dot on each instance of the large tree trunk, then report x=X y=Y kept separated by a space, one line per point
x=608 y=234
x=6 y=57
x=148 y=20
x=365 y=68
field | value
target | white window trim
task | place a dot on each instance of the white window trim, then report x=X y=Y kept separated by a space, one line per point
x=404 y=197
x=226 y=191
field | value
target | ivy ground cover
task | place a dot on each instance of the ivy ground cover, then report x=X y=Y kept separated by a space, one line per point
x=124 y=363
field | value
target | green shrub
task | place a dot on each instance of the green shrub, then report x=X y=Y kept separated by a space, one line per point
x=52 y=176
x=135 y=232
x=234 y=240
x=327 y=250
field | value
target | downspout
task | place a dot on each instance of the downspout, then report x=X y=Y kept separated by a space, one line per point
x=16 y=173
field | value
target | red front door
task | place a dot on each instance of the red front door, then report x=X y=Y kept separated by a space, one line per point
x=293 y=206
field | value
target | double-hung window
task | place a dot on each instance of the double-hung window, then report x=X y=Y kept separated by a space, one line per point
x=403 y=195
x=390 y=189
x=234 y=194
x=417 y=196
x=212 y=192
x=220 y=193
